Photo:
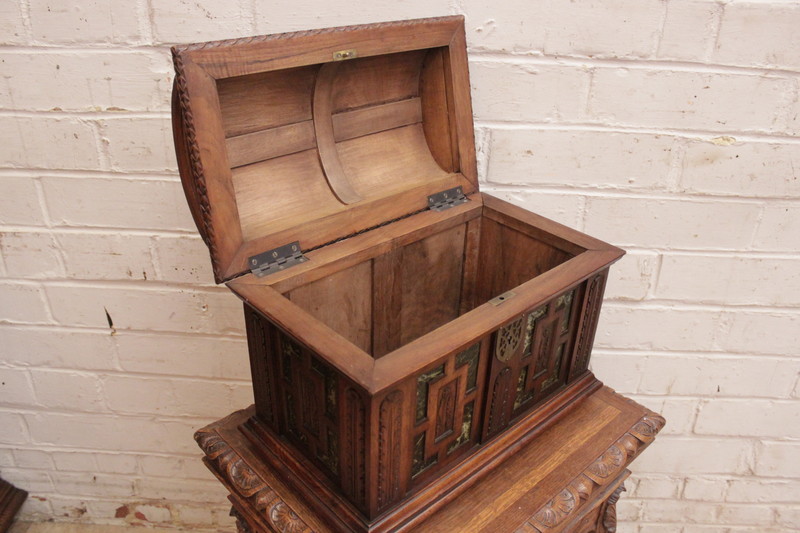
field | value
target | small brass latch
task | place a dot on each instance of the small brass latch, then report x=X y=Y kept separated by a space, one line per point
x=341 y=55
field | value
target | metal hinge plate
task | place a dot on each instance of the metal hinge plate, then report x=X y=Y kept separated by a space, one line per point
x=447 y=199
x=277 y=259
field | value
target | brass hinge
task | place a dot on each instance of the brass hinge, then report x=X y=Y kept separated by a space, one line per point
x=277 y=259
x=447 y=199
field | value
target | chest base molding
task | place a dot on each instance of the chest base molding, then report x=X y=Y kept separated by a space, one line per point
x=568 y=478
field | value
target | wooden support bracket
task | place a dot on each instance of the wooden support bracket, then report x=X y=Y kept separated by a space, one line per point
x=326 y=143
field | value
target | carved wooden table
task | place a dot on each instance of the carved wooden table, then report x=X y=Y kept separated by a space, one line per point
x=568 y=478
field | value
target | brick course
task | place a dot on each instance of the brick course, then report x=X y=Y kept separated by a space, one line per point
x=667 y=127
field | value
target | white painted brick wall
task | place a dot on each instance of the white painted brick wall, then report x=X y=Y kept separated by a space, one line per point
x=664 y=126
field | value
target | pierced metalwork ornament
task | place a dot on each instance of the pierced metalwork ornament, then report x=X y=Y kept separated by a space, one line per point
x=508 y=340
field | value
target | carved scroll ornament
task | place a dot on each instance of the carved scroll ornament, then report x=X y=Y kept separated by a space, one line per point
x=603 y=470
x=248 y=484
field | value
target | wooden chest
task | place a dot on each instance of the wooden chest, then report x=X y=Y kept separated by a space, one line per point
x=407 y=333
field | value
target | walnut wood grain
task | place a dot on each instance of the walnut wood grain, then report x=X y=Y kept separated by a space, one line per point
x=387 y=298
x=343 y=301
x=288 y=50
x=187 y=166
x=209 y=175
x=266 y=100
x=390 y=376
x=436 y=110
x=326 y=143
x=288 y=139
x=542 y=488
x=460 y=104
x=11 y=499
x=365 y=121
x=270 y=143
x=246 y=484
x=456 y=334
x=373 y=157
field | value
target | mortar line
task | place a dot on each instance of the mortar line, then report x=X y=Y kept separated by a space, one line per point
x=89 y=230
x=121 y=175
x=84 y=114
x=34 y=410
x=638 y=193
x=101 y=373
x=638 y=63
x=94 y=330
x=665 y=304
x=740 y=135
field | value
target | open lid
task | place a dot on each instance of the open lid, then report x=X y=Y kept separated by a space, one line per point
x=314 y=136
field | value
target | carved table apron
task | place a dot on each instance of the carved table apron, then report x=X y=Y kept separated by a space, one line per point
x=567 y=479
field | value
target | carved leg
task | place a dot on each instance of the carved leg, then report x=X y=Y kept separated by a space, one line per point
x=241 y=525
x=610 y=513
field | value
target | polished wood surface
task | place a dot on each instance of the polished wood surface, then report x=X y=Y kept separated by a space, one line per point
x=437 y=369
x=11 y=499
x=326 y=142
x=566 y=479
x=281 y=142
x=535 y=287
x=414 y=351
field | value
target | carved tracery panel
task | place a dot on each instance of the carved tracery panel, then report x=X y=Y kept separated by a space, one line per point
x=447 y=406
x=310 y=403
x=531 y=359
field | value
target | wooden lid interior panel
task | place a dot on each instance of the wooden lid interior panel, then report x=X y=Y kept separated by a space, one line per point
x=266 y=100
x=371 y=81
x=304 y=145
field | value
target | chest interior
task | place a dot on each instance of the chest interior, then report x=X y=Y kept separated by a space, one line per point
x=402 y=325
x=397 y=296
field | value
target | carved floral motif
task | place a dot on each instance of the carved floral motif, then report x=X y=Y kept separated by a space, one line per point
x=285 y=520
x=648 y=427
x=610 y=463
x=557 y=510
x=248 y=484
x=196 y=165
x=508 y=340
x=600 y=472
x=610 y=513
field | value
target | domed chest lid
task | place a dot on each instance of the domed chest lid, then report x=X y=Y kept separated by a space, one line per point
x=306 y=138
